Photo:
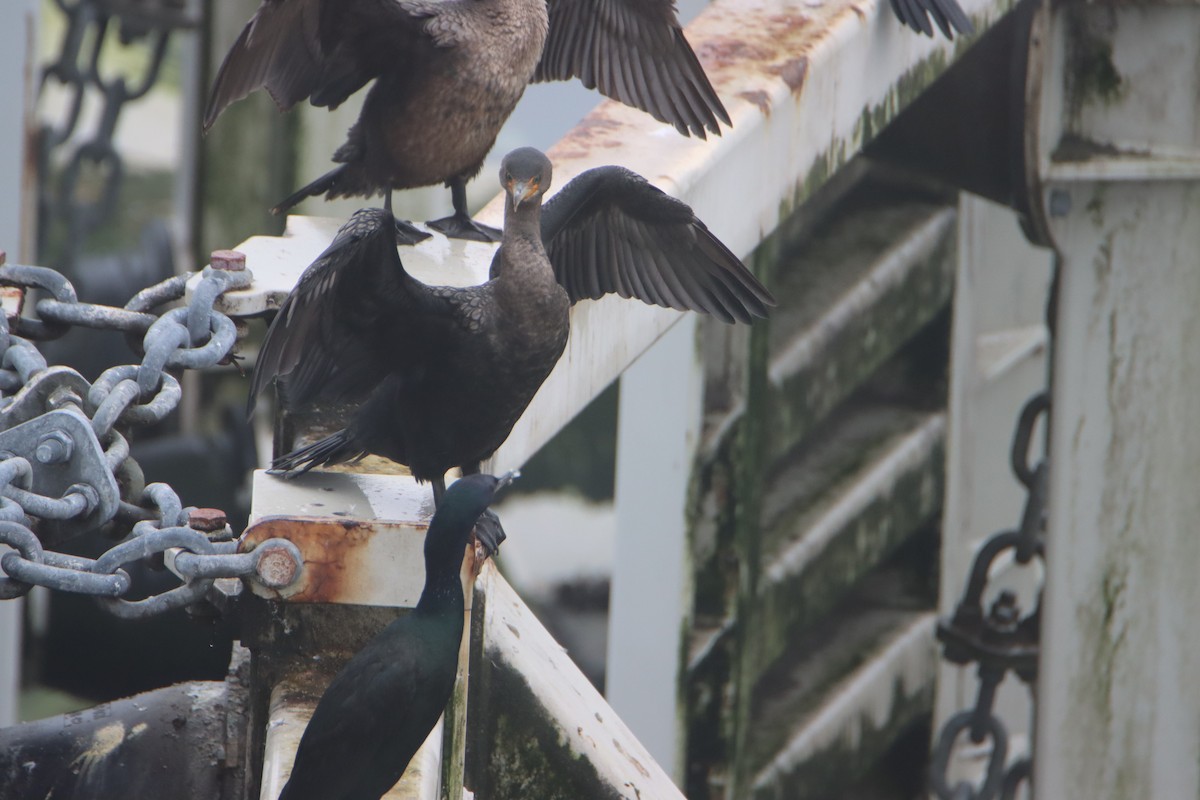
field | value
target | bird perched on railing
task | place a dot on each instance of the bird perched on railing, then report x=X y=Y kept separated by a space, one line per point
x=948 y=15
x=382 y=705
x=446 y=371
x=447 y=75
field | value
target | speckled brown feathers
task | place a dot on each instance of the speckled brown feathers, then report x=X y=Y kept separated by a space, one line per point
x=449 y=72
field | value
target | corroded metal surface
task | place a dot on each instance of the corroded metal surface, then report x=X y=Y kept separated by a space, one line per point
x=362 y=536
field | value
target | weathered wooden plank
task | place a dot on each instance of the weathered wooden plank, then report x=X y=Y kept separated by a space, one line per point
x=862 y=288
x=826 y=540
x=859 y=717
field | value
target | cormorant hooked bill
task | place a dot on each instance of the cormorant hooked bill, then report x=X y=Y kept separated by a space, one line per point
x=382 y=705
x=446 y=371
x=447 y=75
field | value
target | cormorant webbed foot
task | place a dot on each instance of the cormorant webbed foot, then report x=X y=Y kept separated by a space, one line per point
x=407 y=233
x=461 y=226
x=489 y=532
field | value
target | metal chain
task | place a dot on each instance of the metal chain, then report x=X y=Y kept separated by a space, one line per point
x=86 y=35
x=65 y=468
x=1002 y=640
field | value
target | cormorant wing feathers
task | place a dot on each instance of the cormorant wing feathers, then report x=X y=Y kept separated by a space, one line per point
x=321 y=50
x=347 y=309
x=948 y=15
x=633 y=51
x=610 y=231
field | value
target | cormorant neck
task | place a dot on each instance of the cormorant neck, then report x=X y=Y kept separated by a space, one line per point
x=443 y=592
x=525 y=221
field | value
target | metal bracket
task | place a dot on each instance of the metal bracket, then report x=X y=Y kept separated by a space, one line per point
x=50 y=386
x=70 y=460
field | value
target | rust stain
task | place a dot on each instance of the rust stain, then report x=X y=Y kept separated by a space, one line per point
x=739 y=42
x=758 y=98
x=793 y=72
x=326 y=544
x=637 y=764
x=596 y=130
x=585 y=737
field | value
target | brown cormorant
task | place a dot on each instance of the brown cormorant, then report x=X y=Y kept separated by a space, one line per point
x=450 y=370
x=449 y=72
x=382 y=705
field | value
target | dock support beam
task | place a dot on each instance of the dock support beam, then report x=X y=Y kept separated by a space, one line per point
x=1120 y=168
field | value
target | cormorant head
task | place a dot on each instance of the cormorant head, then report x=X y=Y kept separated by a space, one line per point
x=525 y=174
x=461 y=505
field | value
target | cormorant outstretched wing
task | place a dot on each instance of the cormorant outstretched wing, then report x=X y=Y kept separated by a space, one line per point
x=349 y=307
x=633 y=51
x=948 y=15
x=609 y=230
x=321 y=50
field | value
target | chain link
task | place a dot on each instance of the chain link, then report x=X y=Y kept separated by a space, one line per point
x=65 y=468
x=71 y=204
x=1002 y=640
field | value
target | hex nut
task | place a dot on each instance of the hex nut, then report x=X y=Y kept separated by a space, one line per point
x=207 y=520
x=54 y=447
x=228 y=260
x=277 y=568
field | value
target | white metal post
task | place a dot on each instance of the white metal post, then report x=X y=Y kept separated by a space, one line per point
x=18 y=29
x=1118 y=693
x=998 y=361
x=658 y=426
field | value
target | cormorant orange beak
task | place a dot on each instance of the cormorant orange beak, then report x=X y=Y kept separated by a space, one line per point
x=522 y=191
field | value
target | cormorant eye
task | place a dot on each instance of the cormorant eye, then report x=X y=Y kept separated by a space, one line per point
x=508 y=177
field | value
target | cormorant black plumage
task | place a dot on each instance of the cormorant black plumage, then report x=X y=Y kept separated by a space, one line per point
x=948 y=15
x=449 y=72
x=448 y=371
x=381 y=706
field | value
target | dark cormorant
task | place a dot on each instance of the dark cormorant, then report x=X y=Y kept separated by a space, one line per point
x=449 y=72
x=450 y=370
x=382 y=705
x=948 y=15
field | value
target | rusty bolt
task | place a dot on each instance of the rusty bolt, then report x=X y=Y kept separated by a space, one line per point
x=228 y=260
x=207 y=520
x=54 y=447
x=277 y=568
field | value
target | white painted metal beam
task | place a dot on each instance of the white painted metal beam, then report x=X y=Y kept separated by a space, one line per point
x=1118 y=697
x=564 y=703
x=658 y=430
x=998 y=361
x=18 y=48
